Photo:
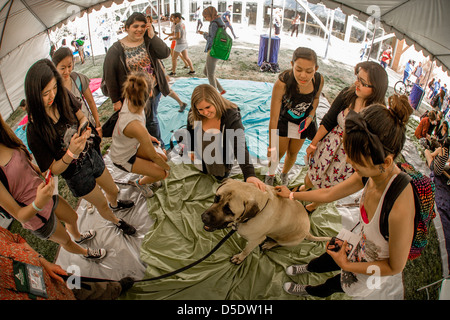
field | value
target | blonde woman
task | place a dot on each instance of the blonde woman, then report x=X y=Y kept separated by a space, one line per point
x=219 y=121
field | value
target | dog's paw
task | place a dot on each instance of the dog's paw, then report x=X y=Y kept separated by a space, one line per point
x=237 y=258
x=269 y=244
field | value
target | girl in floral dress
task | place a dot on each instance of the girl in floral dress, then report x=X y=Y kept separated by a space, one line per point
x=327 y=158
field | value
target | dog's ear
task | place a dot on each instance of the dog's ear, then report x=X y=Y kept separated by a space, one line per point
x=251 y=210
x=223 y=183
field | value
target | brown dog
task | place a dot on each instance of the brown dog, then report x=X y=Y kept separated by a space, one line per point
x=258 y=215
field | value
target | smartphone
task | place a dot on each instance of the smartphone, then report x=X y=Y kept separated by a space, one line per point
x=83 y=127
x=47 y=176
x=302 y=126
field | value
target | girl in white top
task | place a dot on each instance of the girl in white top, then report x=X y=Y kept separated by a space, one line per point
x=132 y=147
x=372 y=140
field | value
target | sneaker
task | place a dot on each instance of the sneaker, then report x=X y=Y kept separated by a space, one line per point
x=284 y=179
x=144 y=188
x=182 y=107
x=156 y=185
x=296 y=269
x=85 y=236
x=191 y=72
x=172 y=74
x=295 y=289
x=95 y=254
x=122 y=204
x=269 y=180
x=126 y=228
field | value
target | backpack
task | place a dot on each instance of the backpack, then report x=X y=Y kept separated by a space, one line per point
x=222 y=44
x=80 y=42
x=423 y=188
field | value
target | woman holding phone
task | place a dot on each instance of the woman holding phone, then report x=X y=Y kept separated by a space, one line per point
x=30 y=200
x=295 y=97
x=55 y=137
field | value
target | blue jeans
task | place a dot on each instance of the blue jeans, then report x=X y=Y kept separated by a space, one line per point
x=151 y=115
x=405 y=76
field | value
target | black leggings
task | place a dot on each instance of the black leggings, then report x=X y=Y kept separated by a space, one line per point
x=324 y=263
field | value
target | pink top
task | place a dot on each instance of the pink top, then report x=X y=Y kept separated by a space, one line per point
x=23 y=182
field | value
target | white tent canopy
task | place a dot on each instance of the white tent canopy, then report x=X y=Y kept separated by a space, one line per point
x=424 y=24
x=24 y=25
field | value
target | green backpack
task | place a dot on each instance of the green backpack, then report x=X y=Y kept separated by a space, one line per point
x=80 y=42
x=222 y=44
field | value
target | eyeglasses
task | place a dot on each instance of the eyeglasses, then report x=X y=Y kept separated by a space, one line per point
x=363 y=83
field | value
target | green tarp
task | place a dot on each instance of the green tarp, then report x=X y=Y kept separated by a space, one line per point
x=177 y=239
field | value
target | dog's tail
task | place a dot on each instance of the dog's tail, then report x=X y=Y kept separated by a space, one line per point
x=310 y=237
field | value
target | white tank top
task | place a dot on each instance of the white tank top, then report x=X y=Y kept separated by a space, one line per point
x=123 y=148
x=371 y=247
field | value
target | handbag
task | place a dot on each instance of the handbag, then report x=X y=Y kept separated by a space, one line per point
x=108 y=126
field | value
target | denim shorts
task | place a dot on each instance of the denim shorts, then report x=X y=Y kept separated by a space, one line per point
x=49 y=227
x=83 y=180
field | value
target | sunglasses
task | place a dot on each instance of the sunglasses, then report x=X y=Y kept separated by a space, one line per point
x=363 y=83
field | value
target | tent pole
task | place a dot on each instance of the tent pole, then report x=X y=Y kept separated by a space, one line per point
x=270 y=33
x=7 y=95
x=371 y=46
x=426 y=82
x=90 y=38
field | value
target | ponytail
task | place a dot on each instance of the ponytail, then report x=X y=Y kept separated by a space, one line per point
x=136 y=88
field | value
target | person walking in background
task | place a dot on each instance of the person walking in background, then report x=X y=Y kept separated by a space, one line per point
x=407 y=71
x=226 y=17
x=181 y=46
x=80 y=48
x=210 y=14
x=386 y=57
x=277 y=21
x=198 y=18
x=173 y=43
x=418 y=71
x=295 y=25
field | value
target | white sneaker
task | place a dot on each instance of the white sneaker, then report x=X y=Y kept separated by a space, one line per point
x=269 y=180
x=88 y=235
x=144 y=188
x=296 y=289
x=95 y=254
x=284 y=179
x=296 y=269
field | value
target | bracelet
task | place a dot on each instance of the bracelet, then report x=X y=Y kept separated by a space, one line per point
x=73 y=156
x=35 y=207
x=62 y=159
x=291 y=195
x=310 y=116
x=313 y=146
